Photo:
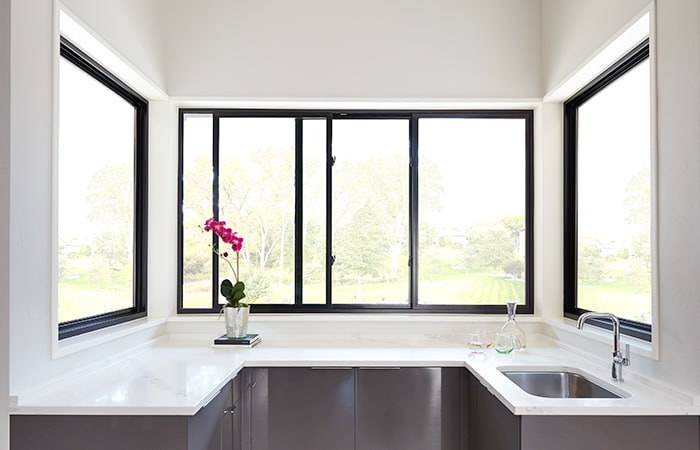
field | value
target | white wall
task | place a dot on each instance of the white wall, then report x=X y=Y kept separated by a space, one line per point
x=31 y=184
x=162 y=209
x=4 y=220
x=135 y=29
x=366 y=49
x=569 y=43
x=548 y=212
x=572 y=30
x=30 y=191
x=678 y=89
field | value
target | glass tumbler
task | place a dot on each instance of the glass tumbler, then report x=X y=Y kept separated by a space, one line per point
x=503 y=343
x=476 y=342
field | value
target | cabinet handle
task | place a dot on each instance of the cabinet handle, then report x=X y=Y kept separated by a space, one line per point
x=230 y=409
x=331 y=368
x=380 y=368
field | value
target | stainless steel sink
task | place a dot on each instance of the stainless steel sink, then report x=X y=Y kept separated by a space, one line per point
x=559 y=383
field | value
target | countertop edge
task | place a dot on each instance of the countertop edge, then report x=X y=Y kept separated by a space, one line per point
x=485 y=370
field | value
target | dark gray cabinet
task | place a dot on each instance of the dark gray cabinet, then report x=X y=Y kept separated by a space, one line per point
x=493 y=426
x=352 y=409
x=610 y=432
x=214 y=427
x=302 y=409
x=413 y=408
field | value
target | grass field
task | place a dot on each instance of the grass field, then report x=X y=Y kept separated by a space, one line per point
x=90 y=288
x=455 y=290
x=76 y=303
x=621 y=302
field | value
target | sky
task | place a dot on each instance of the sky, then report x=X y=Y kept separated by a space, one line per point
x=95 y=129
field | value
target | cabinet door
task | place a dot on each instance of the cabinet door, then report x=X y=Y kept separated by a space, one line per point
x=307 y=409
x=206 y=428
x=610 y=432
x=491 y=424
x=98 y=432
x=255 y=404
x=407 y=409
x=233 y=427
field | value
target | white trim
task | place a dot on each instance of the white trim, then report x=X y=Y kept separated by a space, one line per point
x=65 y=23
x=91 y=43
x=354 y=103
x=643 y=25
x=654 y=190
x=631 y=34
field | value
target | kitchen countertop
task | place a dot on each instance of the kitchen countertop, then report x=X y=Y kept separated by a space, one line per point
x=177 y=375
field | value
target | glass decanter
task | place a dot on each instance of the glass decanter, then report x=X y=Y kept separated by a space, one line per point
x=512 y=327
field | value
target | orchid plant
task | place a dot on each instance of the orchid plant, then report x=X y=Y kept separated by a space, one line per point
x=233 y=292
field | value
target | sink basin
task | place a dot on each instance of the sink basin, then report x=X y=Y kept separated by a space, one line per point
x=559 y=383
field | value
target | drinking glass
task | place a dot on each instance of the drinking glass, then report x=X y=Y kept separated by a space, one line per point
x=477 y=342
x=503 y=343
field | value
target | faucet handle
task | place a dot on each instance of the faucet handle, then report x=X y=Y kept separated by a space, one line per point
x=622 y=360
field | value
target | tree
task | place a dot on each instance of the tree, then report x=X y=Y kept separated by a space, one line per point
x=515 y=224
x=590 y=263
x=314 y=253
x=488 y=246
x=256 y=195
x=370 y=205
x=110 y=199
x=514 y=267
x=361 y=246
x=638 y=198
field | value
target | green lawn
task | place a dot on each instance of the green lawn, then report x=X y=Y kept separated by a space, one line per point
x=621 y=302
x=451 y=289
x=75 y=302
x=93 y=289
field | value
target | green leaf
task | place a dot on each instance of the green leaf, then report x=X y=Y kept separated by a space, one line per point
x=233 y=292
x=227 y=288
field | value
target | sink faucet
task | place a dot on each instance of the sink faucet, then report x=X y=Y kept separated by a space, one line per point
x=618 y=360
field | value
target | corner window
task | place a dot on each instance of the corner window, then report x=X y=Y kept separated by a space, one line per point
x=359 y=211
x=607 y=202
x=102 y=197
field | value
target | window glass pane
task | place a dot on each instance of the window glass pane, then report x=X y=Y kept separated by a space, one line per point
x=614 y=218
x=95 y=197
x=314 y=224
x=370 y=211
x=196 y=208
x=471 y=211
x=256 y=199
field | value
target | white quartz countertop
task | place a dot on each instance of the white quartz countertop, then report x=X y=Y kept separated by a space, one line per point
x=177 y=375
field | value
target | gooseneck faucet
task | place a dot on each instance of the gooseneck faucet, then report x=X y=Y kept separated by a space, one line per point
x=618 y=360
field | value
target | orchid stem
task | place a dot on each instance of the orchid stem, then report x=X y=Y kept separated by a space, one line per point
x=234 y=270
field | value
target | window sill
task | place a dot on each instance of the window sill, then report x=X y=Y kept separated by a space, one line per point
x=565 y=331
x=92 y=339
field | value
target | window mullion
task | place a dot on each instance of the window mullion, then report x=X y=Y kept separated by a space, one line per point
x=298 y=210
x=413 y=211
x=215 y=209
x=329 y=209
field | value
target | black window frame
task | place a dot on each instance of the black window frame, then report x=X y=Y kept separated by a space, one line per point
x=412 y=116
x=629 y=61
x=83 y=61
